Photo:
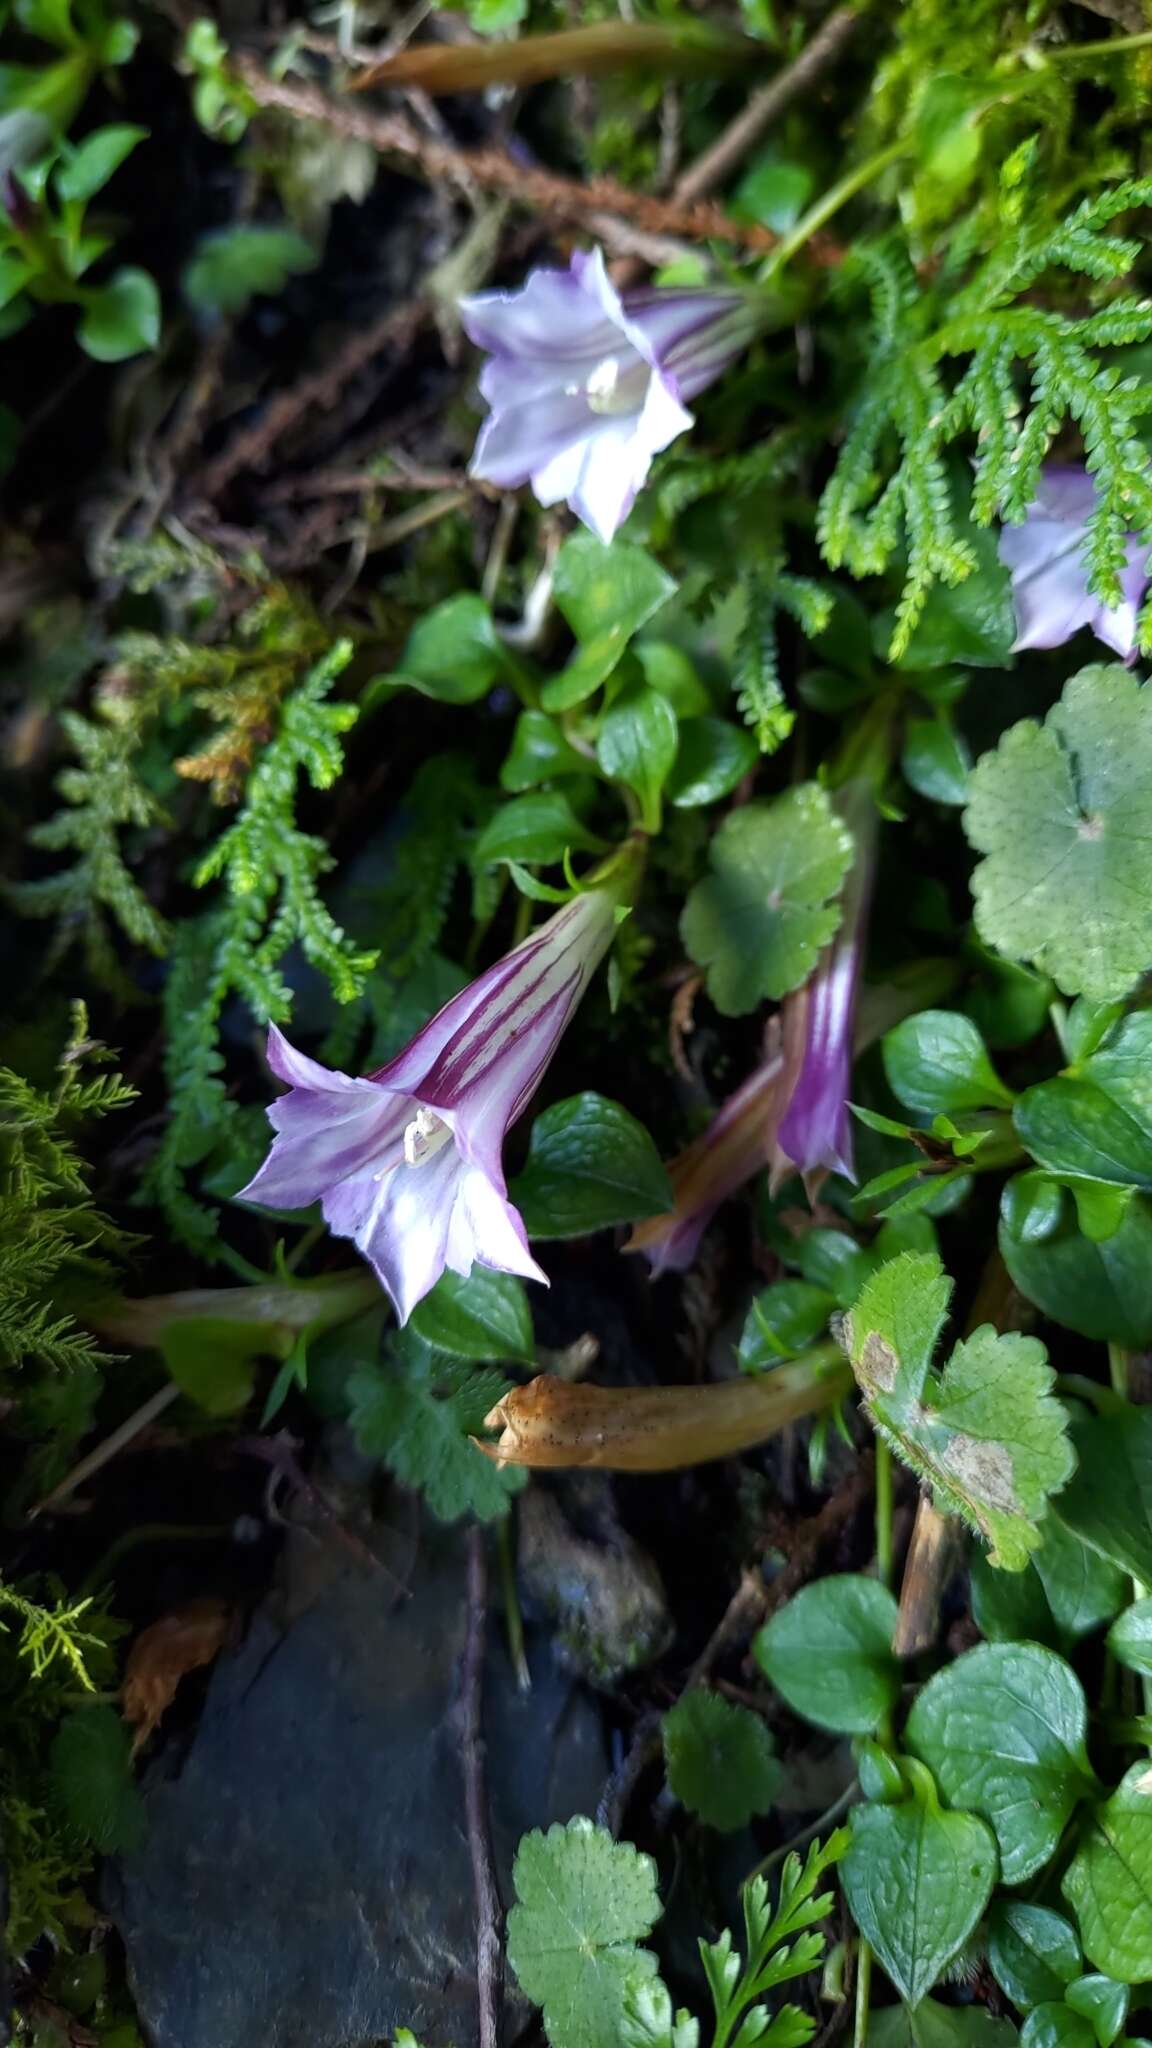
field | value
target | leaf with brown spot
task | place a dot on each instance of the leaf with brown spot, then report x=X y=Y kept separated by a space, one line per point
x=986 y=1432
x=163 y=1654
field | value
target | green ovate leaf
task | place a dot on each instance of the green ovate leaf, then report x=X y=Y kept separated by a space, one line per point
x=1059 y=811
x=783 y=1320
x=720 y=1759
x=1102 y=2002
x=539 y=751
x=1108 y=1502
x=121 y=317
x=917 y=1880
x=1065 y=1592
x=758 y=922
x=1055 y=2025
x=453 y=652
x=1130 y=1638
x=1102 y=1288
x=936 y=761
x=417 y=1414
x=936 y=1064
x=1097 y=1123
x=88 y=167
x=590 y=1166
x=985 y=1432
x=242 y=263
x=534 y=830
x=1003 y=1731
x=1033 y=1952
x=1109 y=1881
x=829 y=1651
x=583 y=1902
x=711 y=758
x=606 y=593
x=637 y=746
x=484 y=1317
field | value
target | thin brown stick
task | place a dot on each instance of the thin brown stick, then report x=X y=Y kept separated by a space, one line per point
x=318 y=392
x=765 y=107
x=489 y=1911
x=494 y=170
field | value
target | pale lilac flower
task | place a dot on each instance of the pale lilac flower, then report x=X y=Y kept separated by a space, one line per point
x=739 y=1142
x=407 y=1161
x=585 y=386
x=816 y=1131
x=1049 y=577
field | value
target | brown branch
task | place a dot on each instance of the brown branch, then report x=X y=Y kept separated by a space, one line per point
x=765 y=107
x=489 y=1911
x=494 y=170
x=318 y=392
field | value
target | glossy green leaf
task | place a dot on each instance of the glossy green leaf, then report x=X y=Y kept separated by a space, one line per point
x=453 y=653
x=213 y=1360
x=1003 y=1731
x=606 y=593
x=829 y=1651
x=121 y=317
x=1130 y=1638
x=637 y=746
x=484 y=1318
x=758 y=922
x=1055 y=2025
x=590 y=1166
x=533 y=830
x=1033 y=1952
x=88 y=168
x=720 y=1759
x=936 y=1063
x=1109 y=1880
x=784 y=1319
x=538 y=753
x=1108 y=1502
x=935 y=760
x=1058 y=810
x=712 y=757
x=1102 y=2002
x=1101 y=1289
x=917 y=1880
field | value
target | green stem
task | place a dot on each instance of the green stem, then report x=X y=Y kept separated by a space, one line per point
x=883 y=1512
x=1108 y=46
x=513 y=1618
x=830 y=202
x=863 y=1994
x=1118 y=1376
x=150 y=1532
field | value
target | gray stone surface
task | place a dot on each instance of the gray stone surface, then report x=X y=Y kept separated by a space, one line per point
x=305 y=1879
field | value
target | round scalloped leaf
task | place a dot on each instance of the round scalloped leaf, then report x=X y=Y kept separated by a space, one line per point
x=720 y=1758
x=1060 y=811
x=583 y=1902
x=758 y=922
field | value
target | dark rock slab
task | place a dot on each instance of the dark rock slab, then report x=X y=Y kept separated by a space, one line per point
x=305 y=1880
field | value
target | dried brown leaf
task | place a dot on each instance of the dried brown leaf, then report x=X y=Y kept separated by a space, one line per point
x=163 y=1654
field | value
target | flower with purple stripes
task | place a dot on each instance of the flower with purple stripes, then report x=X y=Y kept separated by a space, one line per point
x=586 y=385
x=407 y=1161
x=1049 y=575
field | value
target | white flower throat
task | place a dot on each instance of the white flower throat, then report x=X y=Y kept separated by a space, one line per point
x=617 y=385
x=426 y=1135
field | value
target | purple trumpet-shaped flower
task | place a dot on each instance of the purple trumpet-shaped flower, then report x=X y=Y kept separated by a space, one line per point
x=585 y=386
x=816 y=1131
x=407 y=1161
x=792 y=1111
x=738 y=1143
x=1049 y=576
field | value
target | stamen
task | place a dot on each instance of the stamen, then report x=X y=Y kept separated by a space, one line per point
x=617 y=386
x=425 y=1135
